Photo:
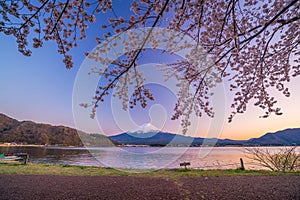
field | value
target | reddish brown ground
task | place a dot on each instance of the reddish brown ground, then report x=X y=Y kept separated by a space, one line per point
x=72 y=187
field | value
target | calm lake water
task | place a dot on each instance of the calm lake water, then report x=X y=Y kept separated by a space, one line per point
x=140 y=157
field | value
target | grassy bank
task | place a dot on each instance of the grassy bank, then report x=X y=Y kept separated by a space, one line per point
x=17 y=168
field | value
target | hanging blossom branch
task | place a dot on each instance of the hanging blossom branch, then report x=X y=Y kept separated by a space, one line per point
x=253 y=45
x=235 y=37
x=141 y=94
x=49 y=20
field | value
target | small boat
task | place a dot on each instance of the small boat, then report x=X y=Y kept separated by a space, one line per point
x=4 y=157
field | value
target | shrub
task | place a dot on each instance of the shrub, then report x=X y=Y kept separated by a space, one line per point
x=285 y=159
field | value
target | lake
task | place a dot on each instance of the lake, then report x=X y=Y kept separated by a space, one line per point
x=140 y=157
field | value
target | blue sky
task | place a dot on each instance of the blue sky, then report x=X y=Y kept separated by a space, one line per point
x=40 y=88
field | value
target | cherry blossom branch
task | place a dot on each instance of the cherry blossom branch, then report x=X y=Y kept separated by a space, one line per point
x=271 y=21
x=59 y=17
x=37 y=12
x=99 y=97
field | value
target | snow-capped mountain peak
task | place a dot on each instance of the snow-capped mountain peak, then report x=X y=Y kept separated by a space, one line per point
x=145 y=128
x=145 y=131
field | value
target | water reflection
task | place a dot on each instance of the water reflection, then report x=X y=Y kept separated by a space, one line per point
x=138 y=157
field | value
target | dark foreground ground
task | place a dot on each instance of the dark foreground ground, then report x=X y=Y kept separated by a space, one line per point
x=75 y=187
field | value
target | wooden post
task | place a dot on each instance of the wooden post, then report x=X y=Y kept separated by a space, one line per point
x=24 y=156
x=242 y=164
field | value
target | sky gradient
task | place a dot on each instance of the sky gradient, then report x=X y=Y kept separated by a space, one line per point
x=40 y=88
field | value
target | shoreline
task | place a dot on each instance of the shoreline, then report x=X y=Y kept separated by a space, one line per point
x=16 y=167
x=22 y=145
x=120 y=146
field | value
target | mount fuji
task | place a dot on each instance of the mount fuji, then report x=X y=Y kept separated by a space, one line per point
x=149 y=135
x=144 y=131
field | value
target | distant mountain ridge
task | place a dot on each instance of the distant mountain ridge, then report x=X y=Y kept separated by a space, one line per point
x=279 y=138
x=283 y=137
x=28 y=132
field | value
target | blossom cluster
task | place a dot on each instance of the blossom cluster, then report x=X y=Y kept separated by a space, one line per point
x=64 y=22
x=252 y=44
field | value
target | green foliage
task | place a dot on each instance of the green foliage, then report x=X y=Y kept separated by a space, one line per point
x=65 y=165
x=69 y=170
